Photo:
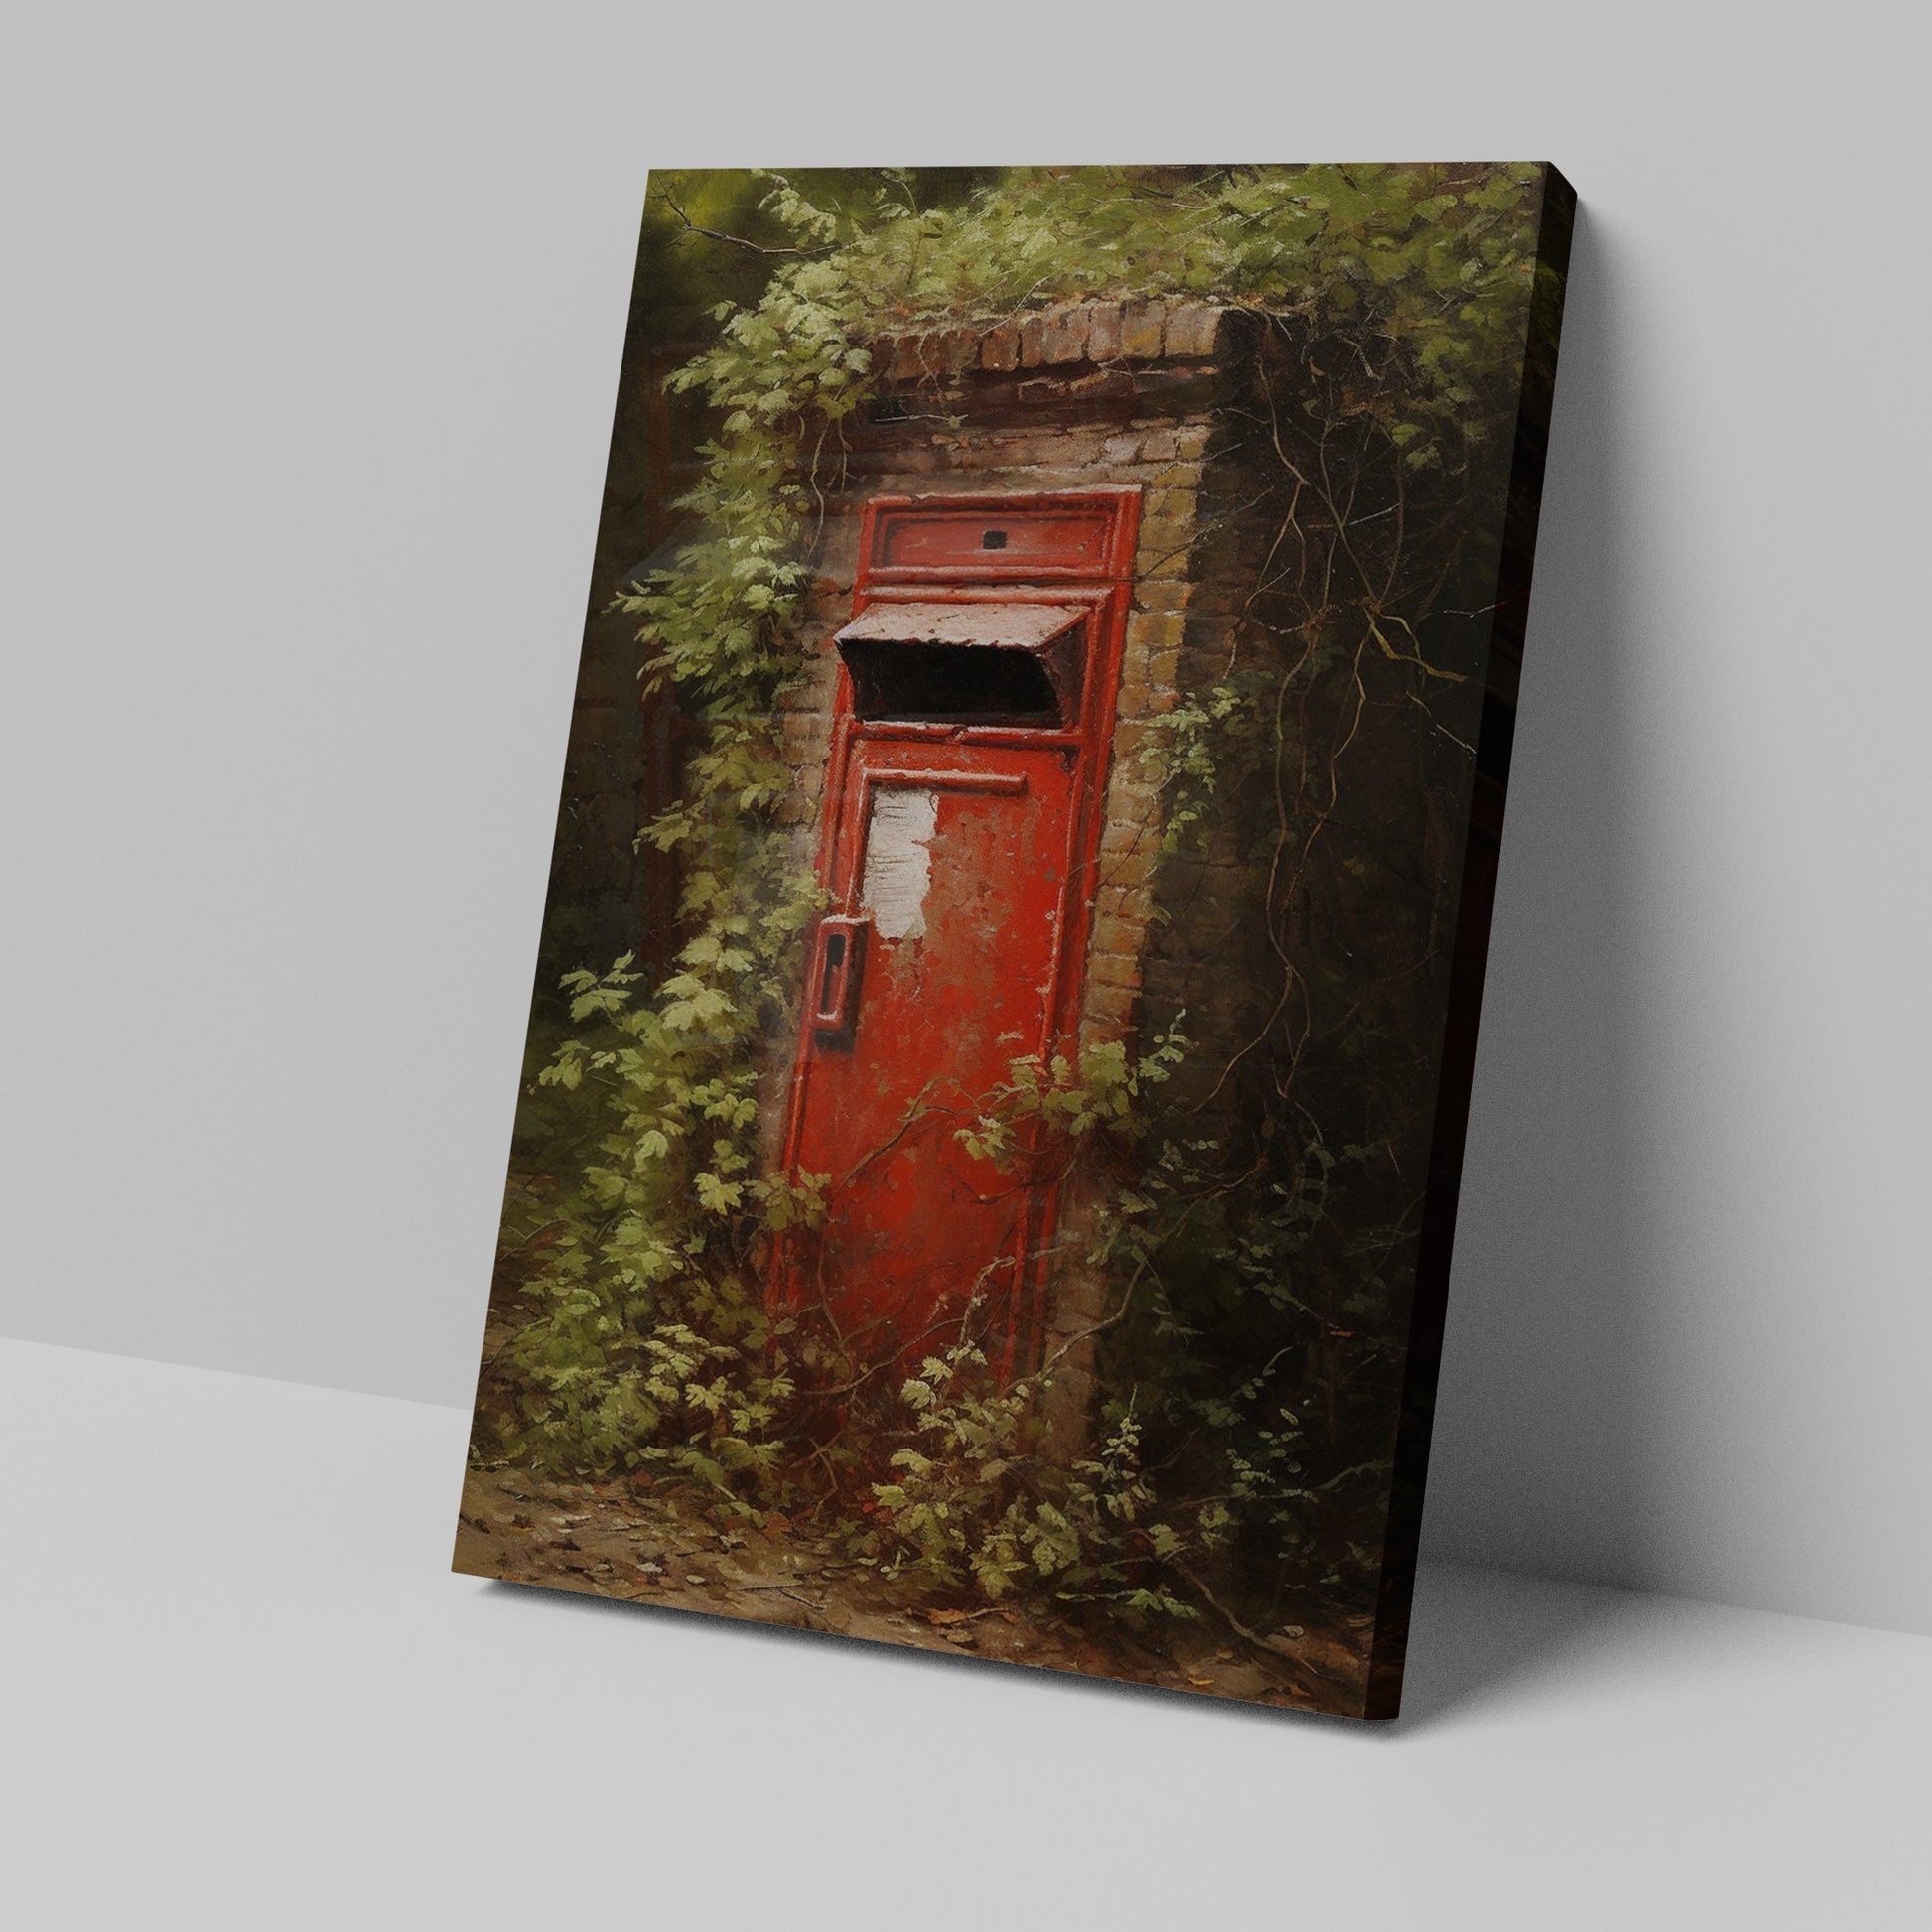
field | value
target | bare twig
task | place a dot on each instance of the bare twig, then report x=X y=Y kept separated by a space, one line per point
x=742 y=241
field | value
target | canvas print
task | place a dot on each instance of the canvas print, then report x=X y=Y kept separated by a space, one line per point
x=988 y=1148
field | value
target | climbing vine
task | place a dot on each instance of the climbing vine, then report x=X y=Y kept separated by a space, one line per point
x=1262 y=1189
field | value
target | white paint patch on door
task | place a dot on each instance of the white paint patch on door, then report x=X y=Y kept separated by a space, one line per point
x=899 y=861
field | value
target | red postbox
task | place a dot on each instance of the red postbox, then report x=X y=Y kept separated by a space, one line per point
x=968 y=763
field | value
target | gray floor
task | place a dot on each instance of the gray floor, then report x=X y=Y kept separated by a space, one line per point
x=241 y=1689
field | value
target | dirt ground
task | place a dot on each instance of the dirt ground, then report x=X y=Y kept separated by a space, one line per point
x=654 y=1547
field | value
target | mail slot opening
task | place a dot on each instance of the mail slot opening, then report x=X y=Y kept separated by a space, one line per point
x=951 y=684
x=969 y=664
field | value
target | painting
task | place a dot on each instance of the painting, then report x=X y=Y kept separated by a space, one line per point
x=988 y=1144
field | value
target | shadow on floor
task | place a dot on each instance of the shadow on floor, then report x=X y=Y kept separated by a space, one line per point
x=1484 y=1637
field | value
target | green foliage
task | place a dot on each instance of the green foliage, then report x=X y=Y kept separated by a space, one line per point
x=1051 y=1097
x=653 y=1344
x=974 y=1504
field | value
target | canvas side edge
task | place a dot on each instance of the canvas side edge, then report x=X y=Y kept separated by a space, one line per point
x=1456 y=1082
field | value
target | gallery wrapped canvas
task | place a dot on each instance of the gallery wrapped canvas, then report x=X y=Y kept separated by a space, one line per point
x=989 y=1143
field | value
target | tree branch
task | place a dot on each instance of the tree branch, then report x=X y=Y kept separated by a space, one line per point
x=738 y=241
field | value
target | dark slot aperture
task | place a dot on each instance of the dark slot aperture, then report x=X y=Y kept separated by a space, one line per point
x=927 y=683
x=834 y=959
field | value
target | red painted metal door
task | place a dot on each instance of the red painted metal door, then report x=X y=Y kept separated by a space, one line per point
x=958 y=862
x=957 y=853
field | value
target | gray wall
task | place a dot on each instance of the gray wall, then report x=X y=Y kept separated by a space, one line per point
x=310 y=341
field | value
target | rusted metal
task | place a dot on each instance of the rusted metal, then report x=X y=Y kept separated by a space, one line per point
x=992 y=626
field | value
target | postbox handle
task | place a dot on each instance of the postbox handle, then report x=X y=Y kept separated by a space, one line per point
x=838 y=965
